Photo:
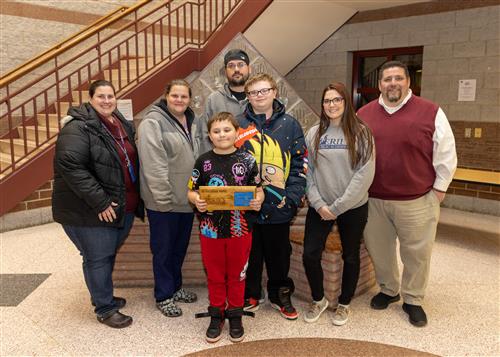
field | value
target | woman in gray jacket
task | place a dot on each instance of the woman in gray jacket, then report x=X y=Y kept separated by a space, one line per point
x=167 y=154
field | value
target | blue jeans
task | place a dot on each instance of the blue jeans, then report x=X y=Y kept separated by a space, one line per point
x=98 y=247
x=169 y=238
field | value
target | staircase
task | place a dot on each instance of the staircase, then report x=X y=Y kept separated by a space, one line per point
x=138 y=49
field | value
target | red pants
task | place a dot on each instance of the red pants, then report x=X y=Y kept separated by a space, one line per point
x=226 y=262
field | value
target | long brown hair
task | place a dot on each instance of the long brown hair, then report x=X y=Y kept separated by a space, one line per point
x=358 y=136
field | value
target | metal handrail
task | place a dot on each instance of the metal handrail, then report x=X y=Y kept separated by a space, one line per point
x=130 y=54
x=67 y=44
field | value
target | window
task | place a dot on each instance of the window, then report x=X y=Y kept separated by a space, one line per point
x=367 y=63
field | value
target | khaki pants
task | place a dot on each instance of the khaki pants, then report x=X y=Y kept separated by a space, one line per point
x=414 y=223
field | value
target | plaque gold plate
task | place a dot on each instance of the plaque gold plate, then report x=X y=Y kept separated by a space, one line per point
x=227 y=198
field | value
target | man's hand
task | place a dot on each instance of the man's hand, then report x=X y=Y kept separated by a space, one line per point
x=109 y=214
x=326 y=214
x=440 y=195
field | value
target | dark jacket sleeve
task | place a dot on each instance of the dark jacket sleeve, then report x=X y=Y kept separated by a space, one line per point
x=73 y=163
x=296 y=182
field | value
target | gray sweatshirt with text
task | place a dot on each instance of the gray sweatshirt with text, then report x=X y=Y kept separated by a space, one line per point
x=332 y=181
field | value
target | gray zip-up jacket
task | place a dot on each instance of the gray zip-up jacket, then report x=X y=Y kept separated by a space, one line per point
x=167 y=156
x=332 y=181
x=219 y=101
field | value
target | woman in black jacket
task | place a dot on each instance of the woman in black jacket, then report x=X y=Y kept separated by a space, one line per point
x=96 y=192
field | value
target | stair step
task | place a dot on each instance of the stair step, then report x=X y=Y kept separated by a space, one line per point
x=6 y=160
x=132 y=64
x=53 y=120
x=64 y=107
x=113 y=76
x=76 y=96
x=42 y=132
x=18 y=146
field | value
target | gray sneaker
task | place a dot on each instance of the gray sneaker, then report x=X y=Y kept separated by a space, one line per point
x=341 y=315
x=315 y=310
x=169 y=308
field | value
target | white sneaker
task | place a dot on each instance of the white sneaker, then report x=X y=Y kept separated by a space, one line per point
x=341 y=315
x=315 y=310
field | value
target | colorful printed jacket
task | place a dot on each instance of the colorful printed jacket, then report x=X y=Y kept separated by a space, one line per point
x=281 y=162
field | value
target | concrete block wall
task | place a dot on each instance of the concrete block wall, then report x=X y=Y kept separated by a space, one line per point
x=458 y=44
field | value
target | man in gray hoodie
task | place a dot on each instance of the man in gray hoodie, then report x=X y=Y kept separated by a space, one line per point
x=231 y=97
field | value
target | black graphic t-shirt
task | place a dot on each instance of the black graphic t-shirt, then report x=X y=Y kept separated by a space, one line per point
x=236 y=169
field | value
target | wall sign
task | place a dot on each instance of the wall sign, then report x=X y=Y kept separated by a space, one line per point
x=466 y=90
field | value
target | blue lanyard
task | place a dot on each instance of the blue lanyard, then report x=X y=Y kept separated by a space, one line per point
x=123 y=148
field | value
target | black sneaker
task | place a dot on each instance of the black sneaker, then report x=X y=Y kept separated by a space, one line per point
x=236 y=331
x=214 y=330
x=284 y=304
x=234 y=315
x=416 y=314
x=381 y=301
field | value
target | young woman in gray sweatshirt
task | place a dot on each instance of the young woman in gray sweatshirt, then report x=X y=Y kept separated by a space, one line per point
x=341 y=169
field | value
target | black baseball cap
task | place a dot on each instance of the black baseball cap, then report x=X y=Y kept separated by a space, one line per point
x=236 y=54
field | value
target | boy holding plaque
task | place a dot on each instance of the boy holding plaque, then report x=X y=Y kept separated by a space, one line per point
x=225 y=235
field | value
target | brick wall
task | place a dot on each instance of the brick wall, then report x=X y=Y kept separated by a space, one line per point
x=458 y=44
x=475 y=190
x=42 y=197
x=478 y=153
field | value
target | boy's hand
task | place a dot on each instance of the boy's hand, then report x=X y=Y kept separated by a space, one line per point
x=200 y=204
x=256 y=203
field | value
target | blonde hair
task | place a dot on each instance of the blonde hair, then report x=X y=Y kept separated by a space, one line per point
x=261 y=77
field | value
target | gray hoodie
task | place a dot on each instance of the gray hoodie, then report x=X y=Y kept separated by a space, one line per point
x=332 y=181
x=167 y=156
x=219 y=101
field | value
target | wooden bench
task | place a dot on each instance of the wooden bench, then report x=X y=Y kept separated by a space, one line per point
x=479 y=176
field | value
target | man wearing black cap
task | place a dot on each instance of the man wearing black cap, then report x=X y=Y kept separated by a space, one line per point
x=230 y=98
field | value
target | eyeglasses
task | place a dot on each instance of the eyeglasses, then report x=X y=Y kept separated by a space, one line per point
x=263 y=91
x=240 y=65
x=336 y=100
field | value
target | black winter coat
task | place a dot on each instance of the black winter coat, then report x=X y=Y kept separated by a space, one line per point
x=88 y=175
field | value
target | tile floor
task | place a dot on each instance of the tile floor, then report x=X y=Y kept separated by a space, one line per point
x=57 y=319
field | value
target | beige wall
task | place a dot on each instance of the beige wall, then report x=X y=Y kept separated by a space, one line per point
x=460 y=44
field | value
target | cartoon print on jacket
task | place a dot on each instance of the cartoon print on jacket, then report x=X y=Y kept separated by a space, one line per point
x=275 y=167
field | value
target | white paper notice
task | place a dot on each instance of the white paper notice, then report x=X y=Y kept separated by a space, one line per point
x=124 y=106
x=466 y=90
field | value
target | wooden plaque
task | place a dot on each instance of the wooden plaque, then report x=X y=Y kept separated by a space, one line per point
x=227 y=198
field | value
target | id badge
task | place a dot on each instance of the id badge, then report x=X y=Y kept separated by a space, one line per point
x=131 y=173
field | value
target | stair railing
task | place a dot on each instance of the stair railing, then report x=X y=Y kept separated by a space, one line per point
x=124 y=49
